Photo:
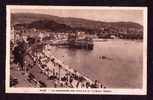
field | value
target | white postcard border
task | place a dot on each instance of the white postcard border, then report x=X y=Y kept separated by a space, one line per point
x=106 y=91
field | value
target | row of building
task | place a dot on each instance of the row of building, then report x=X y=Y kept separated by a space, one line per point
x=18 y=34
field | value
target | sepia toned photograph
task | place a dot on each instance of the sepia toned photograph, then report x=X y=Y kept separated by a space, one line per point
x=76 y=50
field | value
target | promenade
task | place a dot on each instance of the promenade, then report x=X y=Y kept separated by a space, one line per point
x=43 y=69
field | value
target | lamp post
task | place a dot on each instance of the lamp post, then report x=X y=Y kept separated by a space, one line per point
x=59 y=72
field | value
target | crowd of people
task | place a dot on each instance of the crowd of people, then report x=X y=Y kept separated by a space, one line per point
x=66 y=77
x=51 y=67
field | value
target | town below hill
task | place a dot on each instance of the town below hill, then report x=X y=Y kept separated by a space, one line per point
x=49 y=23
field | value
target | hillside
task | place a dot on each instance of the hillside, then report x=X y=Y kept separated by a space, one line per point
x=73 y=22
x=69 y=23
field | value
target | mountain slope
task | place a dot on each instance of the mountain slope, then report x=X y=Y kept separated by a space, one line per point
x=128 y=30
x=72 y=22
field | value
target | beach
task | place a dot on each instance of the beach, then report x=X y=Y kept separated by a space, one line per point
x=121 y=66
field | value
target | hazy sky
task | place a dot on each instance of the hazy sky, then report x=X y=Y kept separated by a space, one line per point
x=110 y=15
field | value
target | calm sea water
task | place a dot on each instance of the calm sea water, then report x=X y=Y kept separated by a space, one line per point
x=122 y=67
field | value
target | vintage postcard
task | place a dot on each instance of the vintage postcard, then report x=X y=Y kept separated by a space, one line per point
x=76 y=50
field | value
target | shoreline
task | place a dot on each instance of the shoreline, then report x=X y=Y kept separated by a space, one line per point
x=50 y=68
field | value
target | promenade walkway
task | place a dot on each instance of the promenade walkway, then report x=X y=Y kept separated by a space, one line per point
x=43 y=69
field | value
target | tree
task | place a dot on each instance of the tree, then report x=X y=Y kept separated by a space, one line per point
x=19 y=53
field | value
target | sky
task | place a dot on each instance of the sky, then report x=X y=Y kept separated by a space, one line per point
x=108 y=15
